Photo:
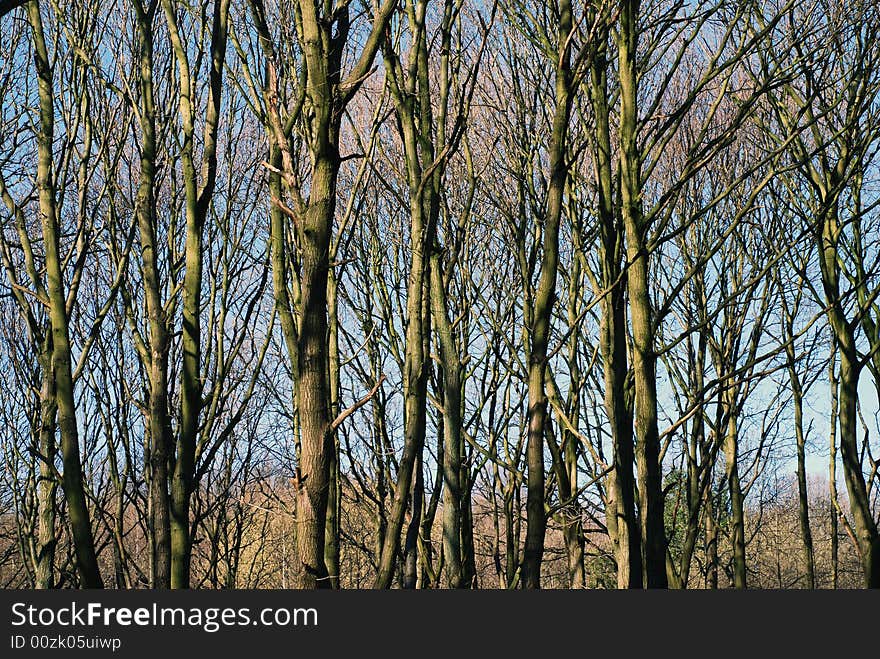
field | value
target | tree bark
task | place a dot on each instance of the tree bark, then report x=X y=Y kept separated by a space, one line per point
x=612 y=333
x=61 y=369
x=48 y=484
x=832 y=463
x=734 y=486
x=198 y=200
x=331 y=536
x=544 y=302
x=452 y=441
x=848 y=379
x=158 y=419
x=803 y=499
x=644 y=358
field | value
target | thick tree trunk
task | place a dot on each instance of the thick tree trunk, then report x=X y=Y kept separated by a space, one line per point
x=452 y=441
x=572 y=528
x=158 y=422
x=865 y=526
x=48 y=483
x=313 y=391
x=323 y=36
x=613 y=345
x=542 y=312
x=536 y=522
x=331 y=535
x=863 y=521
x=612 y=338
x=411 y=542
x=644 y=359
x=565 y=456
x=648 y=444
x=734 y=486
x=61 y=368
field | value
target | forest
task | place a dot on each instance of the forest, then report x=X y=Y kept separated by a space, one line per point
x=496 y=294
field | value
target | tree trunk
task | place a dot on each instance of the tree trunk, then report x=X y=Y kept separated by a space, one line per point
x=61 y=369
x=803 y=500
x=863 y=520
x=850 y=367
x=313 y=392
x=412 y=96
x=411 y=543
x=452 y=442
x=701 y=460
x=734 y=486
x=832 y=462
x=612 y=338
x=711 y=542
x=468 y=551
x=48 y=484
x=158 y=422
x=197 y=205
x=545 y=298
x=415 y=397
x=331 y=535
x=644 y=359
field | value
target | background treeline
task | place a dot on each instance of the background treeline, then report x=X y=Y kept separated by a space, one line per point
x=440 y=293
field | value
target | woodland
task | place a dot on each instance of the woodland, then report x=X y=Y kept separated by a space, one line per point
x=508 y=294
